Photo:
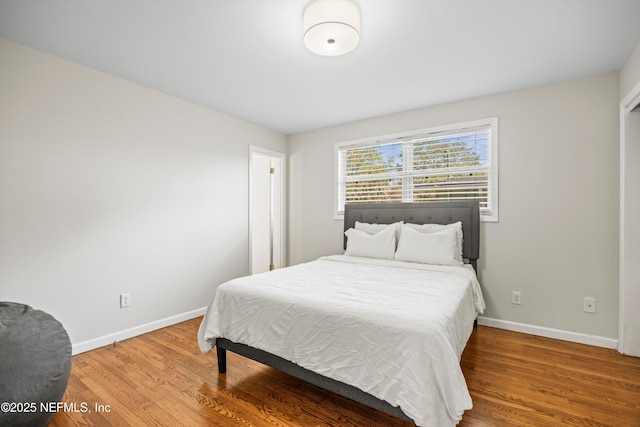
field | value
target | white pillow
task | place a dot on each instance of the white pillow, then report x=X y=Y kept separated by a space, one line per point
x=434 y=228
x=380 y=245
x=428 y=248
x=375 y=228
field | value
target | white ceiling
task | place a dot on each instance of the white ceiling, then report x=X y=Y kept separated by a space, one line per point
x=246 y=58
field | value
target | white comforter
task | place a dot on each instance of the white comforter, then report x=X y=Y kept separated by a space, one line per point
x=393 y=329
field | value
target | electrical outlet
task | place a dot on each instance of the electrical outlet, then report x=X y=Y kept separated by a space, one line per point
x=589 y=305
x=125 y=300
x=516 y=297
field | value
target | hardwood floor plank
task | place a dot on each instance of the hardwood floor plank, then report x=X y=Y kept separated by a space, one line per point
x=548 y=382
x=514 y=379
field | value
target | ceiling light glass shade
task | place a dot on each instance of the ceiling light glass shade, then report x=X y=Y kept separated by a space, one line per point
x=331 y=27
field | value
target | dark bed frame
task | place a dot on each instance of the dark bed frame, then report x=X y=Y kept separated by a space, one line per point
x=467 y=212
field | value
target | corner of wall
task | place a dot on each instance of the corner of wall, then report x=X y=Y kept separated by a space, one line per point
x=630 y=73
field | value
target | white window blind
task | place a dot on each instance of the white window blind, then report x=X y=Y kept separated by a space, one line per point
x=439 y=165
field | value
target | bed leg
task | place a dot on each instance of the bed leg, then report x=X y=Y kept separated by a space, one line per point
x=475 y=323
x=222 y=360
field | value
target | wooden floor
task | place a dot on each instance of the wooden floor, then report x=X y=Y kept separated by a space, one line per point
x=514 y=379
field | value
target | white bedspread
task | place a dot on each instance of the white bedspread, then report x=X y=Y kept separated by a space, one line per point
x=393 y=329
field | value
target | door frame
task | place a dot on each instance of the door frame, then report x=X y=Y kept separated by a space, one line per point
x=264 y=152
x=625 y=284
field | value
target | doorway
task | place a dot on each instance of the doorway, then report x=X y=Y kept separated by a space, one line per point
x=266 y=210
x=629 y=321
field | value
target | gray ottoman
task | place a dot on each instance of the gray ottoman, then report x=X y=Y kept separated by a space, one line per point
x=35 y=362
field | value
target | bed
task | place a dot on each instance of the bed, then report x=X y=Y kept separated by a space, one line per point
x=388 y=333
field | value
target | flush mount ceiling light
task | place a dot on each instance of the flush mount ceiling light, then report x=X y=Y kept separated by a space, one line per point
x=331 y=27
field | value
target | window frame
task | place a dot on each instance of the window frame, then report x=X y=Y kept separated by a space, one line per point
x=492 y=123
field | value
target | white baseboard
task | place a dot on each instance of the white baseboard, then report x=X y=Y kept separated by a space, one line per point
x=549 y=332
x=542 y=331
x=92 y=344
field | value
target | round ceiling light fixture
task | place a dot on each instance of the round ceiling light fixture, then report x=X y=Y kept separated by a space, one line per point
x=331 y=27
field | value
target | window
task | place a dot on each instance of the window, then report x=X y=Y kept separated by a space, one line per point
x=450 y=163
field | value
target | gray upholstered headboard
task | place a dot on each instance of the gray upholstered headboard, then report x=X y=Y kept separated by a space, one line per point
x=467 y=212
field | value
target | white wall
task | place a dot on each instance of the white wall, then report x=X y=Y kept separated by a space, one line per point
x=557 y=239
x=109 y=187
